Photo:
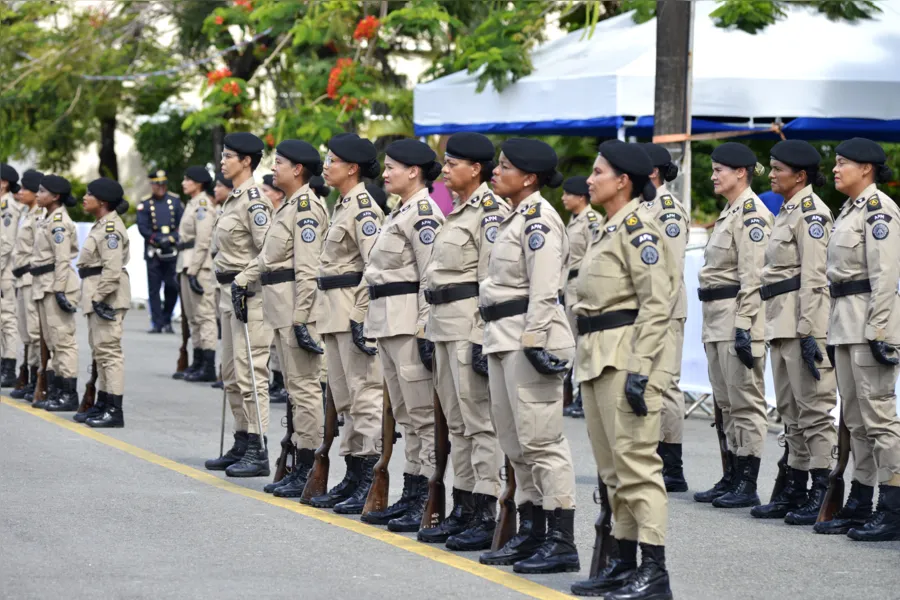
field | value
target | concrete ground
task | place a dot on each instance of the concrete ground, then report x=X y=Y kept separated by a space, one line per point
x=131 y=513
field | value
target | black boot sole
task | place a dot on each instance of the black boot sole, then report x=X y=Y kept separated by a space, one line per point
x=565 y=568
x=342 y=510
x=62 y=407
x=747 y=504
x=259 y=473
x=578 y=591
x=862 y=536
x=178 y=375
x=799 y=522
x=218 y=467
x=505 y=561
x=324 y=503
x=292 y=494
x=379 y=520
x=105 y=425
x=458 y=547
x=675 y=488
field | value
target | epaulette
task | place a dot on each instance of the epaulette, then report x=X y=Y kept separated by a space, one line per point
x=668 y=201
x=424 y=207
x=632 y=223
x=592 y=216
x=253 y=193
x=488 y=203
x=202 y=202
x=3 y=204
x=57 y=217
x=859 y=201
x=807 y=204
x=749 y=206
x=874 y=203
x=303 y=203
x=532 y=212
x=110 y=227
x=363 y=200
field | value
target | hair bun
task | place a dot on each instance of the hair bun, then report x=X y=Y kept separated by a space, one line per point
x=883 y=173
x=649 y=191
x=758 y=169
x=432 y=171
x=556 y=180
x=69 y=200
x=820 y=180
x=317 y=184
x=671 y=172
x=122 y=206
x=371 y=169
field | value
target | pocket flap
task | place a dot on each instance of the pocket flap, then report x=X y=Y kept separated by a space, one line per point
x=414 y=372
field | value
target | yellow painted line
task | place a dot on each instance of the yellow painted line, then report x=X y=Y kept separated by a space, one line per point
x=492 y=574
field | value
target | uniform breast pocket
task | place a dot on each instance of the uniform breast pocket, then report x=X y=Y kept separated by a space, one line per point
x=846 y=251
x=507 y=263
x=277 y=243
x=334 y=240
x=781 y=249
x=452 y=251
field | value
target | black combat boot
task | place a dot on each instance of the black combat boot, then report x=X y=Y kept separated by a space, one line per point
x=557 y=554
x=112 y=415
x=50 y=391
x=354 y=504
x=292 y=485
x=884 y=524
x=792 y=496
x=22 y=393
x=616 y=575
x=809 y=512
x=744 y=493
x=277 y=393
x=456 y=522
x=232 y=456
x=650 y=581
x=196 y=364
x=673 y=471
x=345 y=488
x=398 y=508
x=411 y=520
x=854 y=513
x=532 y=530
x=254 y=462
x=270 y=488
x=207 y=370
x=67 y=398
x=95 y=411
x=577 y=407
x=8 y=372
x=480 y=531
x=724 y=485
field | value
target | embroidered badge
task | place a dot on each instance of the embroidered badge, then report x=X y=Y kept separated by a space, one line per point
x=260 y=219
x=880 y=231
x=490 y=233
x=668 y=202
x=749 y=206
x=425 y=207
x=644 y=238
x=112 y=241
x=873 y=204
x=308 y=235
x=369 y=228
x=650 y=255
x=807 y=204
x=364 y=201
x=756 y=234
x=426 y=236
x=632 y=223
x=533 y=212
x=536 y=241
x=816 y=231
x=672 y=230
x=253 y=193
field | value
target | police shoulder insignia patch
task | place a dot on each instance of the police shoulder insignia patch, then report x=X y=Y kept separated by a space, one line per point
x=490 y=219
x=369 y=228
x=807 y=204
x=879 y=217
x=643 y=239
x=673 y=230
x=649 y=255
x=307 y=222
x=260 y=219
x=533 y=212
x=874 y=203
x=427 y=235
x=757 y=234
x=611 y=228
x=754 y=221
x=112 y=241
x=749 y=206
x=490 y=234
x=592 y=216
x=110 y=226
x=253 y=193
x=880 y=230
x=816 y=231
x=669 y=216
x=632 y=223
x=255 y=207
x=365 y=213
x=363 y=200
x=488 y=203
x=3 y=204
x=668 y=202
x=57 y=217
x=303 y=203
x=536 y=227
x=202 y=202
x=425 y=207
x=426 y=223
x=536 y=241
x=815 y=218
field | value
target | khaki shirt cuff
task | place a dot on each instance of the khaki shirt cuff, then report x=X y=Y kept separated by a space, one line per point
x=641 y=366
x=804 y=329
x=357 y=315
x=241 y=280
x=534 y=340
x=873 y=334
x=301 y=317
x=742 y=323
x=420 y=331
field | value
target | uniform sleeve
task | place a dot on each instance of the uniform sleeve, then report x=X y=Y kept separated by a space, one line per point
x=542 y=243
x=676 y=231
x=61 y=238
x=484 y=242
x=111 y=259
x=650 y=271
x=750 y=239
x=258 y=222
x=882 y=250
x=203 y=229
x=365 y=233
x=421 y=237
x=143 y=222
x=812 y=244
x=309 y=236
x=8 y=241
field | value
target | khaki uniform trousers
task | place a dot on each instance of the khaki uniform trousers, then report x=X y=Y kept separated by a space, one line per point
x=9 y=325
x=105 y=339
x=274 y=359
x=870 y=412
x=411 y=387
x=301 y=379
x=624 y=447
x=527 y=410
x=236 y=365
x=804 y=405
x=466 y=403
x=671 y=429
x=59 y=335
x=29 y=324
x=740 y=393
x=200 y=310
x=356 y=385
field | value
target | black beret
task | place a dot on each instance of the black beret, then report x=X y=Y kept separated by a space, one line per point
x=630 y=159
x=470 y=146
x=9 y=174
x=530 y=156
x=300 y=153
x=659 y=156
x=796 y=153
x=269 y=180
x=378 y=195
x=576 y=185
x=411 y=152
x=158 y=176
x=56 y=185
x=224 y=180
x=352 y=148
x=31 y=180
x=734 y=155
x=861 y=150
x=106 y=190
x=244 y=143
x=198 y=174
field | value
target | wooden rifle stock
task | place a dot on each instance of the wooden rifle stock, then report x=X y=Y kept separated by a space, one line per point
x=435 y=506
x=185 y=334
x=720 y=433
x=90 y=390
x=834 y=497
x=22 y=379
x=506 y=520
x=781 y=478
x=317 y=482
x=568 y=388
x=40 y=388
x=378 y=493
x=605 y=546
x=287 y=447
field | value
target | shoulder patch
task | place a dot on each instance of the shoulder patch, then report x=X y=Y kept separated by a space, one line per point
x=536 y=241
x=879 y=217
x=255 y=207
x=807 y=204
x=369 y=228
x=533 y=213
x=669 y=216
x=490 y=219
x=536 y=227
x=816 y=231
x=757 y=234
x=611 y=228
x=253 y=193
x=880 y=231
x=643 y=239
x=673 y=230
x=425 y=207
x=202 y=202
x=57 y=217
x=873 y=204
x=649 y=255
x=59 y=230
x=303 y=203
x=363 y=200
x=110 y=226
x=819 y=218
x=427 y=235
x=632 y=223
x=307 y=222
x=668 y=201
x=592 y=216
x=749 y=206
x=365 y=214
x=488 y=203
x=754 y=221
x=112 y=241
x=426 y=223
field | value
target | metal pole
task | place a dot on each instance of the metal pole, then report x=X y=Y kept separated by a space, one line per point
x=222 y=436
x=253 y=383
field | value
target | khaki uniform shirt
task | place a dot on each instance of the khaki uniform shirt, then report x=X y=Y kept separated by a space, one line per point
x=55 y=243
x=675 y=222
x=798 y=246
x=461 y=253
x=10 y=211
x=735 y=255
x=24 y=249
x=348 y=243
x=402 y=253
x=865 y=244
x=529 y=260
x=240 y=231
x=106 y=246
x=579 y=231
x=196 y=226
x=627 y=267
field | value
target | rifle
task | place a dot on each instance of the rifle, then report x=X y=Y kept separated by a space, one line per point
x=287 y=447
x=834 y=497
x=568 y=388
x=317 y=482
x=90 y=390
x=719 y=424
x=22 y=379
x=781 y=478
x=506 y=520
x=40 y=388
x=435 y=506
x=185 y=334
x=605 y=546
x=378 y=493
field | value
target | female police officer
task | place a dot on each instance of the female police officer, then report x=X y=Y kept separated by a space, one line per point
x=529 y=344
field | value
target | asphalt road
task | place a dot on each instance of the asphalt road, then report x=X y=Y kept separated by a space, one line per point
x=131 y=513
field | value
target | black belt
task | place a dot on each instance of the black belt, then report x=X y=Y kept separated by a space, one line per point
x=43 y=269
x=451 y=293
x=780 y=287
x=184 y=245
x=850 y=288
x=573 y=273
x=718 y=293
x=502 y=310
x=279 y=276
x=607 y=320
x=226 y=277
x=398 y=288
x=339 y=281
x=89 y=271
x=21 y=271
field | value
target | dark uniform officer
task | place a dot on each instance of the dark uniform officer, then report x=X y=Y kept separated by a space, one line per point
x=158 y=218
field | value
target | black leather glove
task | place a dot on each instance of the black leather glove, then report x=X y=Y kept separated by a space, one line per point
x=239 y=297
x=164 y=244
x=479 y=360
x=104 y=311
x=356 y=329
x=194 y=284
x=742 y=347
x=829 y=350
x=544 y=362
x=880 y=351
x=635 y=385
x=64 y=303
x=426 y=352
x=811 y=354
x=305 y=341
